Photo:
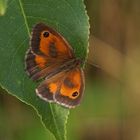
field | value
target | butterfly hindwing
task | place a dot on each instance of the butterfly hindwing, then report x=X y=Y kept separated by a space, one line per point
x=48 y=88
x=71 y=90
x=65 y=89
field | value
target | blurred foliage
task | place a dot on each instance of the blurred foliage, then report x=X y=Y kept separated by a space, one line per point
x=110 y=108
x=3 y=6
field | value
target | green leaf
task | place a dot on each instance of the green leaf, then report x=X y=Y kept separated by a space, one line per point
x=3 y=6
x=66 y=16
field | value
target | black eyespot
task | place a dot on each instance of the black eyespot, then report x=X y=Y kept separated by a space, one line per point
x=46 y=34
x=74 y=94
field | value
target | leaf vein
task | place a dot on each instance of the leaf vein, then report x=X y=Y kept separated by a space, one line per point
x=24 y=16
x=57 y=130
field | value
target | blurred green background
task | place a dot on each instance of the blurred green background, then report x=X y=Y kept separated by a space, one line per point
x=110 y=109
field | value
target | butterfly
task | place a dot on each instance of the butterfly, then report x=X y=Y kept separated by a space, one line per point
x=50 y=60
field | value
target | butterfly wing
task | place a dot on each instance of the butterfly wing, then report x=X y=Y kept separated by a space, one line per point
x=48 y=51
x=48 y=88
x=65 y=89
x=71 y=90
x=38 y=67
x=46 y=41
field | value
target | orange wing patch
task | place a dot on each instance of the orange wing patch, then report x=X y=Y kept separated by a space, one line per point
x=53 y=87
x=71 y=85
x=51 y=45
x=40 y=61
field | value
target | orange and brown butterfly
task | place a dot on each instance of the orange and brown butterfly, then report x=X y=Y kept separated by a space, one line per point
x=51 y=59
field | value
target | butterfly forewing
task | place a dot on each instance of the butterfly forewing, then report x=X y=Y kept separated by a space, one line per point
x=46 y=41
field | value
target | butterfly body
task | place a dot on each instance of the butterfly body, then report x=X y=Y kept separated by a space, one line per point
x=51 y=59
